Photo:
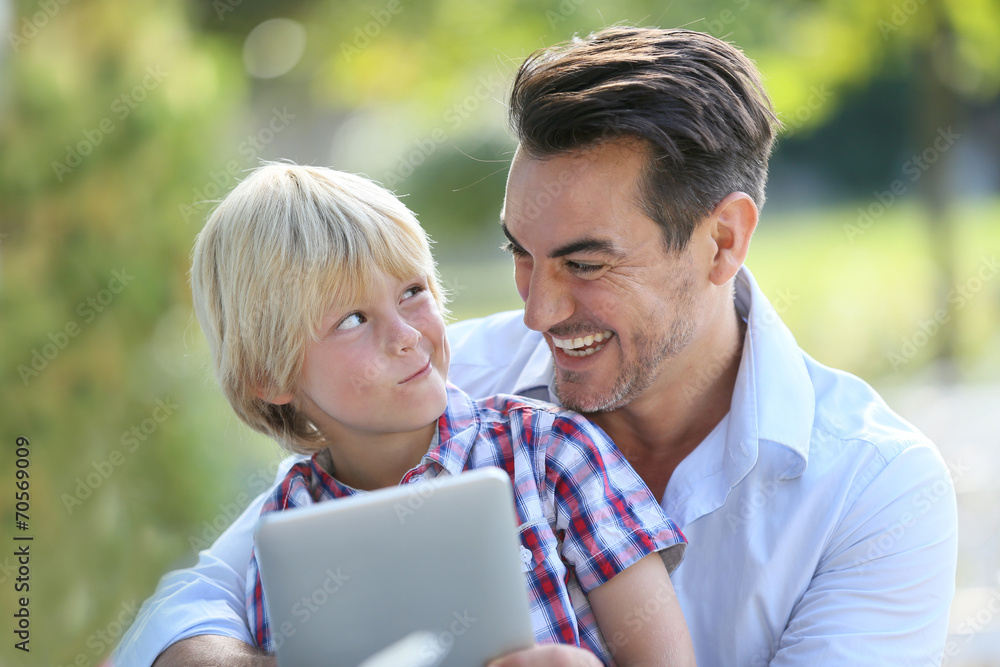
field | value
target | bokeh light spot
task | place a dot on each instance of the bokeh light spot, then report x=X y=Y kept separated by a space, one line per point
x=273 y=48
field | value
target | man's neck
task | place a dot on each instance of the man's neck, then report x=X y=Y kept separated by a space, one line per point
x=659 y=429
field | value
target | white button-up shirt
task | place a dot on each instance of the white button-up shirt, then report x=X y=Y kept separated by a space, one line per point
x=821 y=525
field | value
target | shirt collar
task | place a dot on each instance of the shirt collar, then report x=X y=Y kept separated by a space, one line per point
x=450 y=447
x=773 y=399
x=457 y=430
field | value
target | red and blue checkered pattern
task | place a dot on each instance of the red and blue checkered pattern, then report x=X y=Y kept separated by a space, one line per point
x=585 y=515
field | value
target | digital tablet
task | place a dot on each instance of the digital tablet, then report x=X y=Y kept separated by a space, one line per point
x=436 y=561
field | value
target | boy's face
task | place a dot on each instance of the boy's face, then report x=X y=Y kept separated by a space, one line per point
x=379 y=366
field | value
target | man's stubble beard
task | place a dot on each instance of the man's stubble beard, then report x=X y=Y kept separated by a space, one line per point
x=635 y=375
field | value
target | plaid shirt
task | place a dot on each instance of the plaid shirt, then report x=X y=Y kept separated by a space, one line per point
x=585 y=515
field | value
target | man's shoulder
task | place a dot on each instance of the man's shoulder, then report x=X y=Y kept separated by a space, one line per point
x=497 y=354
x=485 y=340
x=860 y=441
x=813 y=409
x=849 y=409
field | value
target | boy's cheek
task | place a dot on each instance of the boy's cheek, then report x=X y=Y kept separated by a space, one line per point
x=370 y=372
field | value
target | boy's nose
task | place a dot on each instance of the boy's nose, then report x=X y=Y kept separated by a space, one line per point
x=403 y=336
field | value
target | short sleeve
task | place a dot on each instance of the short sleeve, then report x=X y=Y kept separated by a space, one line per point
x=607 y=516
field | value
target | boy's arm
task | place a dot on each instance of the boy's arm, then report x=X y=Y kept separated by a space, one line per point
x=620 y=543
x=640 y=617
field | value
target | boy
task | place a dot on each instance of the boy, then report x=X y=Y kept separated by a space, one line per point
x=320 y=301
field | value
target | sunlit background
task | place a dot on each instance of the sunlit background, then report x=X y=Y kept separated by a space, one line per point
x=121 y=123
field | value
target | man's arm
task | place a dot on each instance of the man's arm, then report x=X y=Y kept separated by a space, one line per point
x=213 y=650
x=206 y=600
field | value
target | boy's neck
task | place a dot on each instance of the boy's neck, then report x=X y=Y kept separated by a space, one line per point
x=375 y=461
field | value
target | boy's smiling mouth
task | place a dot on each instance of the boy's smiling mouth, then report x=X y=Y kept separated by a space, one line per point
x=426 y=369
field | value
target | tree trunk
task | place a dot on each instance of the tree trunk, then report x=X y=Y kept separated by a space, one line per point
x=941 y=111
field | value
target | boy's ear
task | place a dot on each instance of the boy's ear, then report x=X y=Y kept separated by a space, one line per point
x=280 y=399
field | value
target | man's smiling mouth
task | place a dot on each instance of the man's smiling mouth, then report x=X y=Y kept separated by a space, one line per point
x=582 y=346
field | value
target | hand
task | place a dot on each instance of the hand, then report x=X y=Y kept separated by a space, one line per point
x=417 y=649
x=549 y=655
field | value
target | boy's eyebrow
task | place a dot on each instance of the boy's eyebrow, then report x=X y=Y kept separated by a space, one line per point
x=329 y=321
x=587 y=244
x=335 y=312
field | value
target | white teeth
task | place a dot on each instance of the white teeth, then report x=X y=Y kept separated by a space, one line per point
x=583 y=353
x=573 y=344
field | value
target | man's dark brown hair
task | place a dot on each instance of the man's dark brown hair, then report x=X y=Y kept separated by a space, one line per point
x=695 y=102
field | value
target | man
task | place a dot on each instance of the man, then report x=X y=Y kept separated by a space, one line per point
x=822 y=527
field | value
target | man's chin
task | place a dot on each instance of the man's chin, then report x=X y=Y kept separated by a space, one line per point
x=582 y=396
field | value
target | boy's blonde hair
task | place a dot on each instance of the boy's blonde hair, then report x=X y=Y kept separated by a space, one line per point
x=283 y=247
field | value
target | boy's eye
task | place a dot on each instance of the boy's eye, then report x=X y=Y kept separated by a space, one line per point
x=412 y=291
x=351 y=321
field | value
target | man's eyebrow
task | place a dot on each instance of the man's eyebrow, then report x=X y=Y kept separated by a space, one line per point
x=584 y=245
x=506 y=232
x=587 y=245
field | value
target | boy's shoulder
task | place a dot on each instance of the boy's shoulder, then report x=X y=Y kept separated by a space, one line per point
x=538 y=415
x=296 y=488
x=501 y=406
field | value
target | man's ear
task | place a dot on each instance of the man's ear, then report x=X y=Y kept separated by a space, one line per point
x=733 y=222
x=280 y=399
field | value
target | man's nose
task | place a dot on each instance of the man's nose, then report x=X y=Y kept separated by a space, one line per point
x=547 y=299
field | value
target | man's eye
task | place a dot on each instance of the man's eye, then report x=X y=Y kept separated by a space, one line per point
x=351 y=321
x=513 y=249
x=584 y=268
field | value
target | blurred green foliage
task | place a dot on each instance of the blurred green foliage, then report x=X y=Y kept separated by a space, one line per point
x=119 y=124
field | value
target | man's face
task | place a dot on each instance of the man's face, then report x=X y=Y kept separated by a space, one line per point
x=379 y=366
x=615 y=306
